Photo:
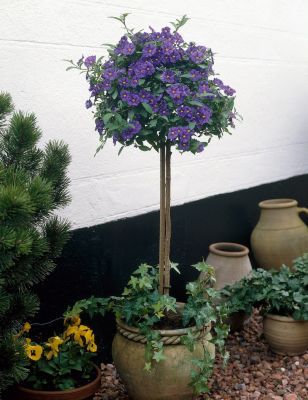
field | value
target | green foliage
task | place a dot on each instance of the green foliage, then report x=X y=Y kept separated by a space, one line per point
x=63 y=362
x=142 y=306
x=33 y=183
x=283 y=292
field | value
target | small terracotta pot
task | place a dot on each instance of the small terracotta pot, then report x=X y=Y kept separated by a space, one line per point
x=81 y=393
x=280 y=235
x=231 y=263
x=285 y=335
x=169 y=379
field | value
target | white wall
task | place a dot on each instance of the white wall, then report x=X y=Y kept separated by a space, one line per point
x=262 y=51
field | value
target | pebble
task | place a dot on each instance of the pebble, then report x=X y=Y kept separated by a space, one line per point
x=254 y=372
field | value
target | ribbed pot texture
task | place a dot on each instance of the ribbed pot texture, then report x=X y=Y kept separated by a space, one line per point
x=169 y=379
x=285 y=335
x=280 y=235
x=81 y=393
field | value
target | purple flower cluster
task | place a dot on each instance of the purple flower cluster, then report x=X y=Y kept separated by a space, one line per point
x=131 y=131
x=173 y=77
x=125 y=47
x=227 y=89
x=178 y=92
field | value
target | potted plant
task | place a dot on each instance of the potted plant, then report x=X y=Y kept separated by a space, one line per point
x=61 y=368
x=282 y=296
x=156 y=91
x=163 y=349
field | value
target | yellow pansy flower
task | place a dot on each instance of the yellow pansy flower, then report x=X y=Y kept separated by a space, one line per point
x=74 y=321
x=92 y=347
x=34 y=352
x=53 y=346
x=26 y=328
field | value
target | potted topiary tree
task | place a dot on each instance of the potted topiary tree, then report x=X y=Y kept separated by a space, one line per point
x=156 y=91
x=282 y=296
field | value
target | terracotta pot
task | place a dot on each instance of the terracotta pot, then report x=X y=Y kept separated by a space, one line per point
x=280 y=235
x=285 y=335
x=169 y=379
x=231 y=263
x=81 y=393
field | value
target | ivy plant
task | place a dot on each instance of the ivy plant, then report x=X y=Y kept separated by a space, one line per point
x=281 y=292
x=142 y=306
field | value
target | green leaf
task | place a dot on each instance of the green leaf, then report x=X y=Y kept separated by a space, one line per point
x=147 y=107
x=107 y=117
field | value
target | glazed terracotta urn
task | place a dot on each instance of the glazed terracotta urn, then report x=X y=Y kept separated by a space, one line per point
x=280 y=235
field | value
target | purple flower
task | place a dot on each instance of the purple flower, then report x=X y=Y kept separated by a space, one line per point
x=174 y=132
x=88 y=104
x=149 y=50
x=132 y=130
x=106 y=85
x=203 y=115
x=185 y=134
x=168 y=76
x=195 y=75
x=200 y=148
x=134 y=82
x=196 y=53
x=124 y=82
x=218 y=83
x=163 y=108
x=133 y=99
x=229 y=91
x=110 y=73
x=142 y=69
x=203 y=87
x=99 y=125
x=125 y=47
x=178 y=92
x=185 y=112
x=184 y=146
x=89 y=61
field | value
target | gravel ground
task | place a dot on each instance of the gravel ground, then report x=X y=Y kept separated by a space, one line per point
x=253 y=372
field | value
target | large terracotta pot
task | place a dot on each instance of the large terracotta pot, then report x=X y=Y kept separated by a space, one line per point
x=169 y=379
x=231 y=263
x=280 y=235
x=285 y=335
x=81 y=393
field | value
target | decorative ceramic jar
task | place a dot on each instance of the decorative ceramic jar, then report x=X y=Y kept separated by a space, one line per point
x=169 y=379
x=280 y=235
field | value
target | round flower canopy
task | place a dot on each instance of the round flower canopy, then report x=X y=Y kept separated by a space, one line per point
x=156 y=88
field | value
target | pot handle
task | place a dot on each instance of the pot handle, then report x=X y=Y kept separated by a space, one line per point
x=302 y=209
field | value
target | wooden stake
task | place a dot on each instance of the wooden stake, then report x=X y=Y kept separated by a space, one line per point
x=162 y=230
x=167 y=219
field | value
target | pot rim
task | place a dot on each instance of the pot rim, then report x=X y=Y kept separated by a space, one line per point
x=229 y=249
x=283 y=318
x=278 y=203
x=162 y=332
x=94 y=382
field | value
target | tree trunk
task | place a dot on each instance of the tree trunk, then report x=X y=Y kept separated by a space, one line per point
x=165 y=219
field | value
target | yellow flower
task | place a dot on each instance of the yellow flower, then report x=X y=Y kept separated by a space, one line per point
x=74 y=321
x=92 y=347
x=53 y=345
x=26 y=328
x=81 y=334
x=34 y=352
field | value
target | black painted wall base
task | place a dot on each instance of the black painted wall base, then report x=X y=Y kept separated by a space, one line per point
x=99 y=260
